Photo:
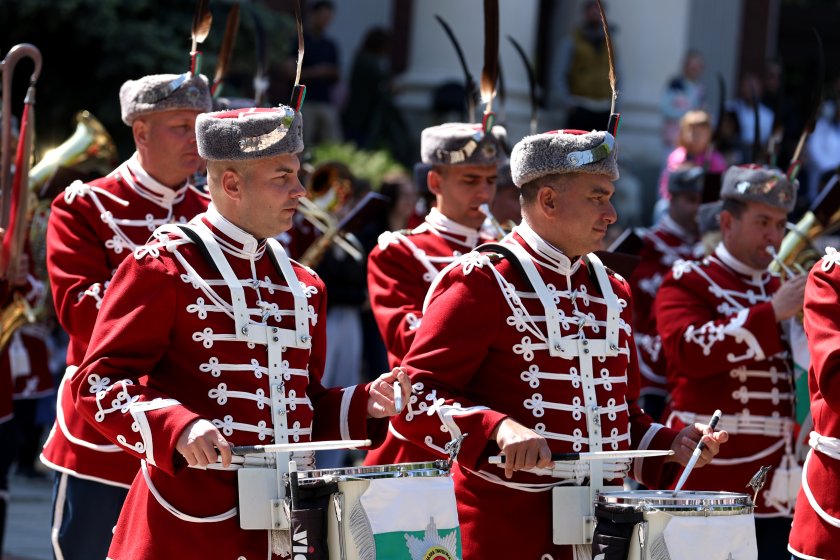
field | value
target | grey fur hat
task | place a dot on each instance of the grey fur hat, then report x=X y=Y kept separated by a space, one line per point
x=708 y=216
x=462 y=144
x=253 y=133
x=164 y=92
x=564 y=151
x=686 y=179
x=751 y=183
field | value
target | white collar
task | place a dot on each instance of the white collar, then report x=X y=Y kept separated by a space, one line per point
x=248 y=244
x=442 y=224
x=726 y=258
x=668 y=224
x=149 y=188
x=550 y=256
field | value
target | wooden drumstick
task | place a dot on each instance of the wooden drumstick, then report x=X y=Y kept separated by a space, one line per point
x=398 y=400
x=595 y=455
x=305 y=446
x=697 y=451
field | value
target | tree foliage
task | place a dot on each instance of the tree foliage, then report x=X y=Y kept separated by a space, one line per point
x=90 y=47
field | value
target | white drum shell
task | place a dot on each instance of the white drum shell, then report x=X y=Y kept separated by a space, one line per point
x=660 y=507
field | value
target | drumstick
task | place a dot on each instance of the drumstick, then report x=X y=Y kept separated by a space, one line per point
x=307 y=446
x=398 y=403
x=595 y=455
x=696 y=455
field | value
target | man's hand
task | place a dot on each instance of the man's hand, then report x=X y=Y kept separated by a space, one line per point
x=686 y=441
x=381 y=398
x=198 y=444
x=788 y=299
x=523 y=448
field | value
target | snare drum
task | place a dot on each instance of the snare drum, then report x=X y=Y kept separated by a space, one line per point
x=688 y=526
x=390 y=511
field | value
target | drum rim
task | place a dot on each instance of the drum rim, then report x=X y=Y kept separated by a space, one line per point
x=686 y=500
x=396 y=470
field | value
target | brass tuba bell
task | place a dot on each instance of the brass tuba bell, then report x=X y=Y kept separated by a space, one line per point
x=89 y=149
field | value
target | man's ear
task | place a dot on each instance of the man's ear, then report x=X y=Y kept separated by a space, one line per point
x=725 y=218
x=433 y=180
x=547 y=199
x=140 y=131
x=231 y=182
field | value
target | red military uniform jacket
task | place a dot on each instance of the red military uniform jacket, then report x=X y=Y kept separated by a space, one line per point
x=726 y=351
x=664 y=244
x=232 y=341
x=556 y=355
x=400 y=270
x=816 y=523
x=92 y=228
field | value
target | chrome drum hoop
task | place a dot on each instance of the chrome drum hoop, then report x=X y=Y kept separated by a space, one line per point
x=685 y=503
x=398 y=470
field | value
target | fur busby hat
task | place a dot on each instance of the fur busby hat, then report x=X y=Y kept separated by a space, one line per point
x=462 y=144
x=164 y=92
x=686 y=179
x=252 y=133
x=564 y=151
x=751 y=183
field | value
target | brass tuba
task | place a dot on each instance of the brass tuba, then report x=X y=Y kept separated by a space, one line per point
x=12 y=317
x=797 y=251
x=88 y=150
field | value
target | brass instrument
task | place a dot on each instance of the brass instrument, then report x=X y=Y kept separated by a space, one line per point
x=14 y=316
x=331 y=184
x=797 y=250
x=328 y=226
x=498 y=231
x=90 y=149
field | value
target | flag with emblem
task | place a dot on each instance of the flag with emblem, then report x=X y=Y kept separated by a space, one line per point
x=407 y=519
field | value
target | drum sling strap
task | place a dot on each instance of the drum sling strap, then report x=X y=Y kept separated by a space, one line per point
x=614 y=531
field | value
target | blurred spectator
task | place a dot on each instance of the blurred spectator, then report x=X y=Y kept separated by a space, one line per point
x=684 y=93
x=749 y=92
x=370 y=90
x=370 y=118
x=695 y=147
x=787 y=122
x=582 y=75
x=822 y=152
x=321 y=75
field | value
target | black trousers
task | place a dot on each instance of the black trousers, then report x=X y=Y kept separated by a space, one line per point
x=772 y=534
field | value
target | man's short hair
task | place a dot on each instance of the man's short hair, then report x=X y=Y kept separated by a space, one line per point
x=734 y=207
x=528 y=191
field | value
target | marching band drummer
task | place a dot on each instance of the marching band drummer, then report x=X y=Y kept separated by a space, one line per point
x=463 y=162
x=674 y=237
x=210 y=335
x=527 y=348
x=721 y=326
x=816 y=522
x=91 y=229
